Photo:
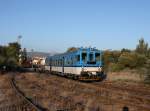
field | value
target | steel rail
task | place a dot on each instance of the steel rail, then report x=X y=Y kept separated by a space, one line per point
x=19 y=93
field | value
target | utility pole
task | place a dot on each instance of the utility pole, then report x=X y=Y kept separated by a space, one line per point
x=19 y=39
x=32 y=57
x=20 y=54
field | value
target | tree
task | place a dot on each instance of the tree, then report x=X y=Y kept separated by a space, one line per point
x=142 y=47
x=13 y=50
x=148 y=53
x=115 y=56
x=9 y=55
x=71 y=49
x=107 y=58
x=2 y=60
x=2 y=55
x=125 y=50
x=24 y=56
x=147 y=78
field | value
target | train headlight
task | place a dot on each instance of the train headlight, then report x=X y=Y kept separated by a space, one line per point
x=82 y=68
x=99 y=69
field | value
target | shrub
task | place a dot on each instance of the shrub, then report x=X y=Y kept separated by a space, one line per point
x=115 y=67
x=132 y=60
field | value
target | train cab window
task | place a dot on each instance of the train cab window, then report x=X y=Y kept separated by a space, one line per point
x=91 y=57
x=97 y=56
x=84 y=57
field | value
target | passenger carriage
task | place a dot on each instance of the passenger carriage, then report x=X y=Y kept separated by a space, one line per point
x=82 y=64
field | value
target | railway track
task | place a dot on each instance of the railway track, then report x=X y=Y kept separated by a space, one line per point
x=21 y=103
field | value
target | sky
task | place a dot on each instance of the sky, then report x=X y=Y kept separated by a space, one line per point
x=55 y=25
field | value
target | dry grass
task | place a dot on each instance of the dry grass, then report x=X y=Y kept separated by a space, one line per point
x=53 y=93
x=126 y=75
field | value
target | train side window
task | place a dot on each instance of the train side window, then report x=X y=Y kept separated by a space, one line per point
x=78 y=58
x=65 y=61
x=74 y=59
x=55 y=62
x=97 y=56
x=58 y=62
x=71 y=60
x=68 y=61
x=52 y=62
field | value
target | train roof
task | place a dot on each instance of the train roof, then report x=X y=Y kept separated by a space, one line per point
x=76 y=51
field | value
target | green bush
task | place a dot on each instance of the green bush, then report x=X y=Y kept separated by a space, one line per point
x=131 y=60
x=147 y=75
x=9 y=55
x=115 y=67
x=141 y=60
x=127 y=60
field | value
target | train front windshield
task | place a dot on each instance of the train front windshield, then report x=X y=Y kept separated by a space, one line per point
x=90 y=58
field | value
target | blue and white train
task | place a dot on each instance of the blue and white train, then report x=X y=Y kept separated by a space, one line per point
x=82 y=64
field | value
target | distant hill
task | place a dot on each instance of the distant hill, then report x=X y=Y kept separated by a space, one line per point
x=40 y=54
